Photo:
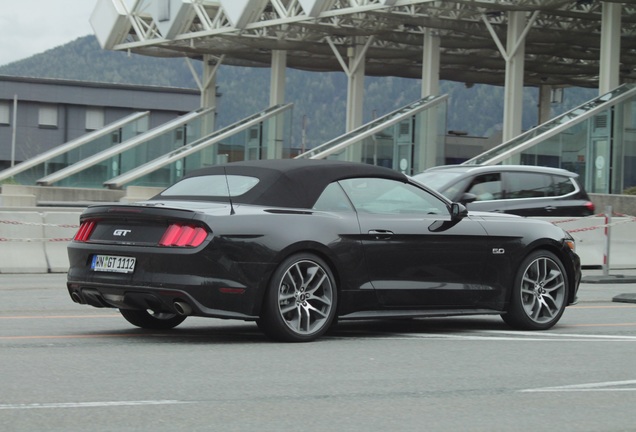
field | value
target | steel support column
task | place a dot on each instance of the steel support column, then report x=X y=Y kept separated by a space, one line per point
x=430 y=63
x=514 y=54
x=545 y=103
x=513 y=102
x=609 y=73
x=207 y=87
x=354 y=67
x=277 y=79
x=355 y=86
x=276 y=97
x=426 y=150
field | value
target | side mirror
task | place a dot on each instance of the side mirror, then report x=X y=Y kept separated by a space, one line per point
x=467 y=198
x=458 y=211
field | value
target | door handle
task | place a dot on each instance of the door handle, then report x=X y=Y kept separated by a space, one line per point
x=381 y=234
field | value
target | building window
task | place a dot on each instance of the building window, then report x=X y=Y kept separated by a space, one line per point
x=48 y=116
x=94 y=118
x=5 y=113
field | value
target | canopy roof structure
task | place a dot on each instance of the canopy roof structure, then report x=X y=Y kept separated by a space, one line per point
x=563 y=40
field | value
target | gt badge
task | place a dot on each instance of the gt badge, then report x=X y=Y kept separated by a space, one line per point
x=121 y=232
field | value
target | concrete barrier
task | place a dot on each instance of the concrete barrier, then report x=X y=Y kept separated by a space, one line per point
x=21 y=243
x=589 y=234
x=59 y=228
x=32 y=241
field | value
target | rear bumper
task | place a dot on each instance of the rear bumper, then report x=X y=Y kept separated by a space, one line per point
x=155 y=299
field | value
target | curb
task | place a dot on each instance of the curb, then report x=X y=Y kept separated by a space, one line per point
x=625 y=298
x=609 y=279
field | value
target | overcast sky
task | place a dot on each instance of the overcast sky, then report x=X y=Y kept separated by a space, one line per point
x=29 y=27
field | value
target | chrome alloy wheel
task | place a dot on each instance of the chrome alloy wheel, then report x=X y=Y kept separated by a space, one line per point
x=305 y=297
x=543 y=290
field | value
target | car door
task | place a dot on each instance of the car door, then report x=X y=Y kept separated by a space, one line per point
x=416 y=255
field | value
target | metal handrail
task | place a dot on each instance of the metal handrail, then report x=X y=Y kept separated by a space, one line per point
x=120 y=148
x=73 y=144
x=198 y=145
x=371 y=128
x=553 y=127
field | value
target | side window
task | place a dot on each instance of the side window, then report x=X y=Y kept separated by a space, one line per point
x=529 y=185
x=486 y=187
x=384 y=196
x=563 y=186
x=333 y=199
x=47 y=116
x=5 y=112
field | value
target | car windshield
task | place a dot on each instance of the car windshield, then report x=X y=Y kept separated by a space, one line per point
x=436 y=179
x=211 y=185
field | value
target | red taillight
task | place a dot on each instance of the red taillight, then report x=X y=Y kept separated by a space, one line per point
x=590 y=206
x=183 y=236
x=85 y=231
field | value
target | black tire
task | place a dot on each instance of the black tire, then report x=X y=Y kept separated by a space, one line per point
x=540 y=292
x=152 y=320
x=301 y=300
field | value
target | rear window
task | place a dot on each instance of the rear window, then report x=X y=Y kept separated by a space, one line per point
x=212 y=185
x=563 y=185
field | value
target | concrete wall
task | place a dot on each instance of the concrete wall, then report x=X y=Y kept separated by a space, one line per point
x=623 y=204
x=21 y=196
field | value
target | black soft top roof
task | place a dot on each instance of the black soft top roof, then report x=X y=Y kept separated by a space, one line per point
x=295 y=183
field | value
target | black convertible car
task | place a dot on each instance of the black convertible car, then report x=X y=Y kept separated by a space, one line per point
x=296 y=245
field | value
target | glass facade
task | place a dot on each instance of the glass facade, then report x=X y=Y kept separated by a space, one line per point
x=77 y=154
x=597 y=140
x=267 y=139
x=93 y=176
x=409 y=140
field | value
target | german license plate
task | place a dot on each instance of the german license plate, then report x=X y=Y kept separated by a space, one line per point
x=115 y=264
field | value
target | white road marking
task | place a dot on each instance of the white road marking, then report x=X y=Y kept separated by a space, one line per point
x=591 y=387
x=89 y=404
x=515 y=336
x=562 y=335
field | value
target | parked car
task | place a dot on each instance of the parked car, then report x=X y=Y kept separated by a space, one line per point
x=516 y=189
x=297 y=244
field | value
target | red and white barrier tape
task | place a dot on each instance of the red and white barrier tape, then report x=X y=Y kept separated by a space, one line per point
x=603 y=226
x=11 y=222
x=592 y=228
x=28 y=240
x=32 y=240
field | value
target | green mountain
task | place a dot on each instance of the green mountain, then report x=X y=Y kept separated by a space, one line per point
x=319 y=97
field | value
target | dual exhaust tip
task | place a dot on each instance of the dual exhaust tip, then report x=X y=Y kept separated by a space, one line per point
x=182 y=308
x=76 y=297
